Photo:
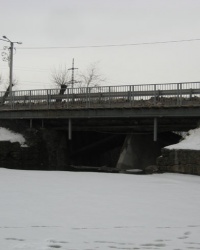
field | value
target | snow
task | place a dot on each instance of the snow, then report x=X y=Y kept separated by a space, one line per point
x=191 y=141
x=79 y=210
x=8 y=135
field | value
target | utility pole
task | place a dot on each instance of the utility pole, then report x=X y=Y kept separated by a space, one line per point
x=72 y=69
x=11 y=69
x=10 y=59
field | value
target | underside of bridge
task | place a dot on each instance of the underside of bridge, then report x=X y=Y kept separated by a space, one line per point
x=97 y=143
x=125 y=125
x=104 y=150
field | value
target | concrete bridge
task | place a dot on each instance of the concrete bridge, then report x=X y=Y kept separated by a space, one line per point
x=127 y=108
x=123 y=126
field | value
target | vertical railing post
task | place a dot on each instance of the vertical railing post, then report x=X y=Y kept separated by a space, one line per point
x=13 y=99
x=133 y=94
x=30 y=92
x=180 y=102
x=177 y=94
x=154 y=94
x=89 y=96
x=109 y=97
x=50 y=99
x=47 y=98
x=130 y=94
x=190 y=94
x=67 y=98
x=86 y=104
x=99 y=95
x=73 y=95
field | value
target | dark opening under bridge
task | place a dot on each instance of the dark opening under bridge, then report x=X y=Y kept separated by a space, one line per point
x=126 y=108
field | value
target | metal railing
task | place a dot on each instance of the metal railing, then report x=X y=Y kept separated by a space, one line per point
x=124 y=96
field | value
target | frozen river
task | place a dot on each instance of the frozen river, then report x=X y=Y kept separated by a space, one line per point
x=82 y=211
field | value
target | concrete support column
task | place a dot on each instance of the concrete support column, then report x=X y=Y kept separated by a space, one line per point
x=69 y=129
x=31 y=123
x=155 y=129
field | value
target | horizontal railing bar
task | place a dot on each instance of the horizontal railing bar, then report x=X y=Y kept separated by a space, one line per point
x=104 y=95
x=111 y=94
x=105 y=87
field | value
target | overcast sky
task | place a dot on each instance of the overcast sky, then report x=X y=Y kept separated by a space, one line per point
x=66 y=23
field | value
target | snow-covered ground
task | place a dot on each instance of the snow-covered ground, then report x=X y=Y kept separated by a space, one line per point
x=78 y=210
x=190 y=141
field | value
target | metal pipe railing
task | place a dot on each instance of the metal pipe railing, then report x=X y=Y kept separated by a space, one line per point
x=170 y=94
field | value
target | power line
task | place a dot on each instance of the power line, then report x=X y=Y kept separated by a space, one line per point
x=110 y=45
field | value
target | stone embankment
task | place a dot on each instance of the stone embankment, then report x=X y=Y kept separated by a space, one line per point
x=15 y=156
x=184 y=161
x=183 y=157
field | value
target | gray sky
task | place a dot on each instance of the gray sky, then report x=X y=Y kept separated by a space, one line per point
x=65 y=23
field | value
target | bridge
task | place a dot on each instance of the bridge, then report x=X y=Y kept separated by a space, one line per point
x=126 y=108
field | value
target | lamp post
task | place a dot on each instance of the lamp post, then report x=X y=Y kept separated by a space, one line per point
x=5 y=39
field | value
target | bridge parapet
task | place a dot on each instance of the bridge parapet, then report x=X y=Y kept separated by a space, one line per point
x=128 y=96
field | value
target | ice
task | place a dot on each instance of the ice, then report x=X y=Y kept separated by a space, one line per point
x=80 y=210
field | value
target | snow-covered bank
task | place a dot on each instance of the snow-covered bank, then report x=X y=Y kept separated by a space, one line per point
x=183 y=157
x=190 y=141
x=67 y=210
x=8 y=135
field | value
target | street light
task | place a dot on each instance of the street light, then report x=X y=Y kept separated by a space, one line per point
x=10 y=63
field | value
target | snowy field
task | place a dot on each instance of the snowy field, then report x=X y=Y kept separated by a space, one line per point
x=73 y=210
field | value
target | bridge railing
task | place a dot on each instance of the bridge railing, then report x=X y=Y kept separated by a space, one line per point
x=146 y=95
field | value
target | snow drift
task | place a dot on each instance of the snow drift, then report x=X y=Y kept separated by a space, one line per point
x=190 y=141
x=8 y=135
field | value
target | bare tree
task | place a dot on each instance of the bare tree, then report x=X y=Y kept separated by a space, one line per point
x=92 y=77
x=7 y=91
x=60 y=77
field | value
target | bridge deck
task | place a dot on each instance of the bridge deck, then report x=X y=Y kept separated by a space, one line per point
x=108 y=107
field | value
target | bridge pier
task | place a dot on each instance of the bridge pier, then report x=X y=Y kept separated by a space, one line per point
x=155 y=129
x=138 y=152
x=69 y=129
